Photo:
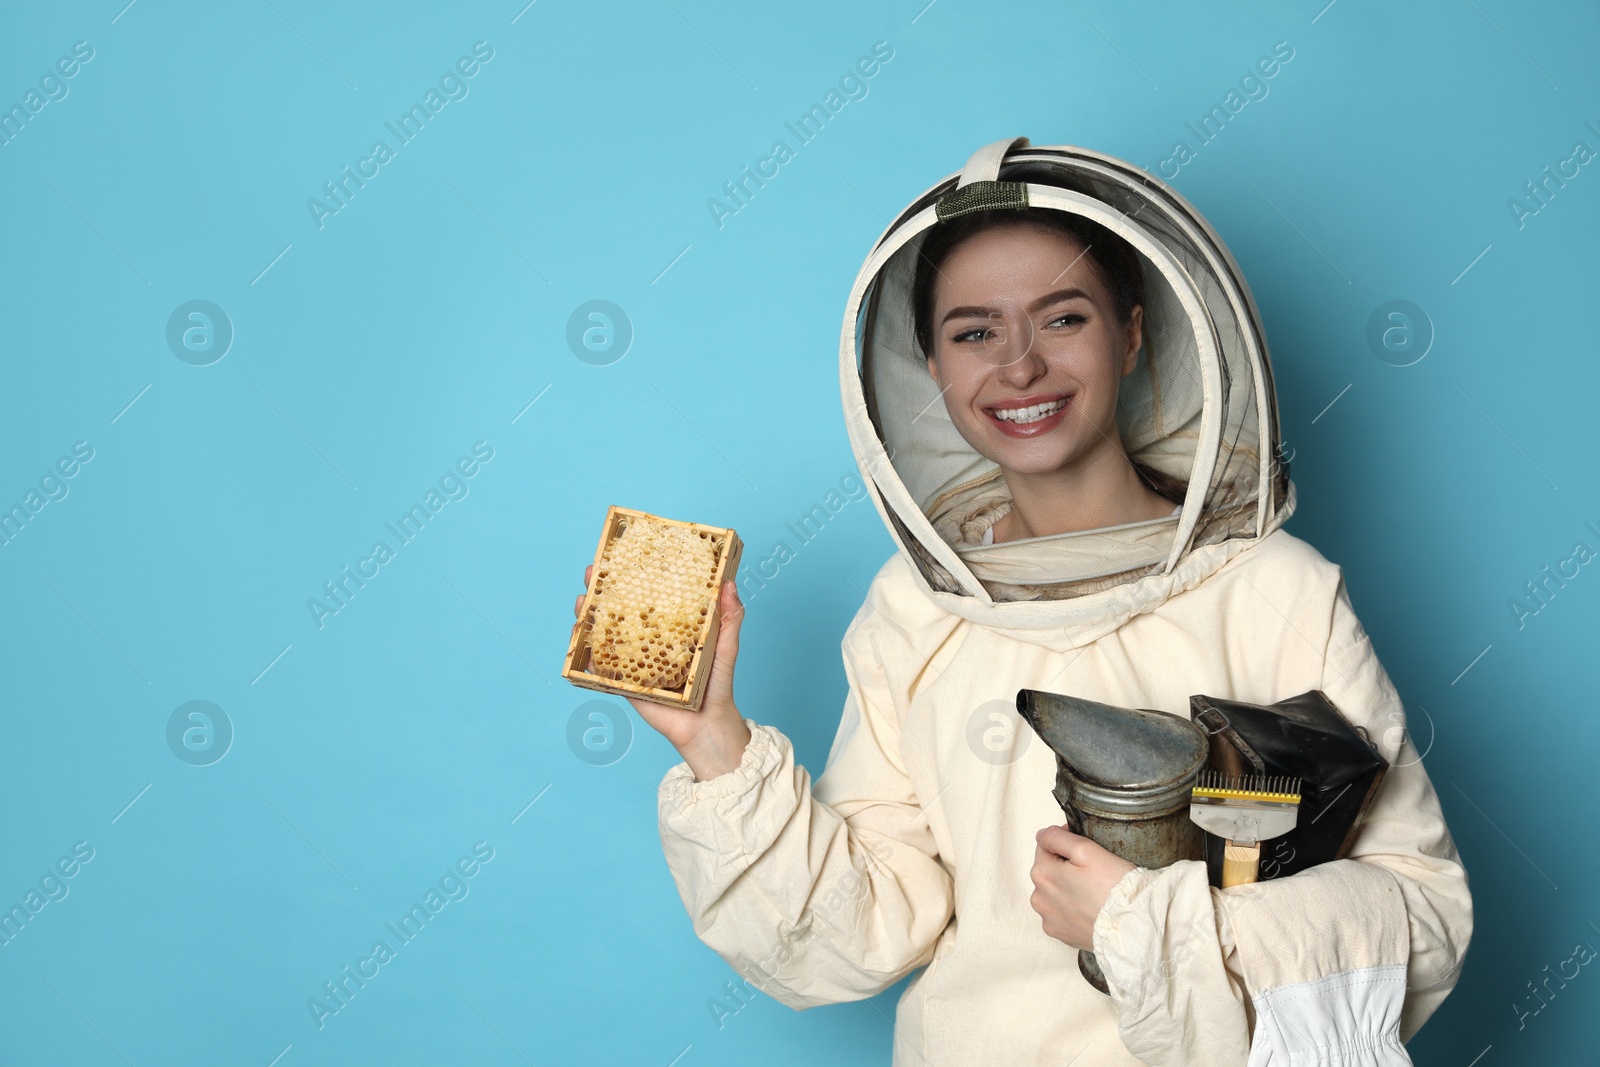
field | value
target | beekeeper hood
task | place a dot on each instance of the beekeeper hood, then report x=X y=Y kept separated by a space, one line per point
x=1198 y=407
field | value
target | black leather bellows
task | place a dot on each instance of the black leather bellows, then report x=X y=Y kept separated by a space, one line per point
x=1304 y=737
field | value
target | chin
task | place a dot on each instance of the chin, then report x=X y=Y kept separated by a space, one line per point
x=1030 y=460
x=1027 y=468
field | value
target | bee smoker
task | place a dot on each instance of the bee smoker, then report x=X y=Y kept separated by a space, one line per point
x=1123 y=778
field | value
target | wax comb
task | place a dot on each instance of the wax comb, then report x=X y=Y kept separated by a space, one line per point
x=648 y=623
x=1244 y=810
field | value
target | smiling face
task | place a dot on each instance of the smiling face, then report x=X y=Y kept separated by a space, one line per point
x=1027 y=349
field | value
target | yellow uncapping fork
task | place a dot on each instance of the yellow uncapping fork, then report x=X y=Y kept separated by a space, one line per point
x=1244 y=810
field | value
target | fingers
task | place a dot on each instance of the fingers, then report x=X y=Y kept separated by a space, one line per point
x=577 y=605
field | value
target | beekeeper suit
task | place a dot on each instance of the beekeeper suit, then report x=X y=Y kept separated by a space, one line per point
x=914 y=846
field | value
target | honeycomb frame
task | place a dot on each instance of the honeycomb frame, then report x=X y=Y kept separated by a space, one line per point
x=576 y=668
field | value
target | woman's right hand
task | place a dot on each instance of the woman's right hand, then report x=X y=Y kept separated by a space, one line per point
x=711 y=740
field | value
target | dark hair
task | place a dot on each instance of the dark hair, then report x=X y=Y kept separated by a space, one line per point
x=1114 y=259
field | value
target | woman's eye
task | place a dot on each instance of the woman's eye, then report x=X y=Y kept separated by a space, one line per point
x=1069 y=318
x=975 y=334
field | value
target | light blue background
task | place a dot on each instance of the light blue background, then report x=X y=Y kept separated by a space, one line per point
x=425 y=316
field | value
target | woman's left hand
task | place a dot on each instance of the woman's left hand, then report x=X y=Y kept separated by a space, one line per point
x=1072 y=876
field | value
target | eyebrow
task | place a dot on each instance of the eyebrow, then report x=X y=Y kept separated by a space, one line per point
x=1043 y=302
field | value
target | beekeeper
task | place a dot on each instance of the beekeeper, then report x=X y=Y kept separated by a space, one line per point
x=1056 y=383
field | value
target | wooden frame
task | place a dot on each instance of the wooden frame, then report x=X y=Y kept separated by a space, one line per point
x=690 y=696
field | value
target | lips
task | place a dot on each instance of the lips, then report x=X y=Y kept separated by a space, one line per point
x=1029 y=429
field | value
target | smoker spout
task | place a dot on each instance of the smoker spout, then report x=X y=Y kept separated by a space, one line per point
x=1125 y=748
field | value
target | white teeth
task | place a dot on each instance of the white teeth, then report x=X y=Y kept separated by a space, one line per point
x=1030 y=414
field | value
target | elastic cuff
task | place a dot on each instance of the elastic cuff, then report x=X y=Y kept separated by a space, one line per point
x=1106 y=934
x=761 y=755
x=1108 y=922
x=1131 y=933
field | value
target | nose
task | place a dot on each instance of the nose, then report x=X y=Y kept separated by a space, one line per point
x=1019 y=360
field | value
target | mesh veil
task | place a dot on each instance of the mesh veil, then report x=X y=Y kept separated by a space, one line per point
x=1198 y=407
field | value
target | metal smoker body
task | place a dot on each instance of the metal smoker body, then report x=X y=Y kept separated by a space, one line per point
x=1123 y=777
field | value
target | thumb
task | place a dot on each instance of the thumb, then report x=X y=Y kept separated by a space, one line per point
x=731 y=621
x=728 y=625
x=1060 y=841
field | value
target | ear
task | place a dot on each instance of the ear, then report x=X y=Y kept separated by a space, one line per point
x=933 y=370
x=1135 y=339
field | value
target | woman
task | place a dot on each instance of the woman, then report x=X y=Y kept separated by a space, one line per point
x=1094 y=509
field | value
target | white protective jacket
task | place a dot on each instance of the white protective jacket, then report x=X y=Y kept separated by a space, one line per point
x=913 y=848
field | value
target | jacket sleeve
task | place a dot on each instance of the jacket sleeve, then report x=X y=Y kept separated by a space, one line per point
x=815 y=894
x=1337 y=964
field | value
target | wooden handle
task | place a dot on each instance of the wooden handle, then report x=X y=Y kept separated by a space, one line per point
x=1240 y=862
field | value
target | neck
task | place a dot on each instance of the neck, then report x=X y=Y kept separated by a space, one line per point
x=1100 y=489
